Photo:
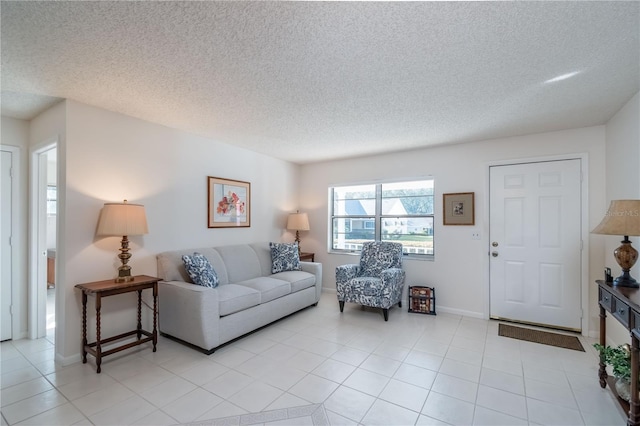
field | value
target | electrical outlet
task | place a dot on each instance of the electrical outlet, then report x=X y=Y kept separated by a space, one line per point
x=475 y=236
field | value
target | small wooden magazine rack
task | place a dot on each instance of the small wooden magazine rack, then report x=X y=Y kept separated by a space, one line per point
x=422 y=300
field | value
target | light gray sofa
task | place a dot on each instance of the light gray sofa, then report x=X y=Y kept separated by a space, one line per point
x=248 y=296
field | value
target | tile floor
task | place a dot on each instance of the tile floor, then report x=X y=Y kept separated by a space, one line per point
x=412 y=370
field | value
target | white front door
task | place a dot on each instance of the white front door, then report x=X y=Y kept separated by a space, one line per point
x=5 y=245
x=535 y=243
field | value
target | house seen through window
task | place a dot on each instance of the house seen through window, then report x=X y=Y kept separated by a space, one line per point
x=395 y=211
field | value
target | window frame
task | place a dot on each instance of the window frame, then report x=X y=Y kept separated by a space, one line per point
x=378 y=217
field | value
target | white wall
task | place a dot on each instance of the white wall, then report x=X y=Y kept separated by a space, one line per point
x=46 y=128
x=15 y=133
x=623 y=173
x=459 y=272
x=111 y=157
x=623 y=182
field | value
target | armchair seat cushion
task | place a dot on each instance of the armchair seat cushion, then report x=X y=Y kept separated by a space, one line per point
x=365 y=286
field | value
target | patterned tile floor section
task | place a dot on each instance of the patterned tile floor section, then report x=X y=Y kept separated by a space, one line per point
x=412 y=370
x=312 y=415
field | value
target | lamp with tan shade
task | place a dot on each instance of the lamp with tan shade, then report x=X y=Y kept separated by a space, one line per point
x=123 y=219
x=622 y=218
x=298 y=222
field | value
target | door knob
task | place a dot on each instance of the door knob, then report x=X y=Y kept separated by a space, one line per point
x=495 y=244
x=494 y=254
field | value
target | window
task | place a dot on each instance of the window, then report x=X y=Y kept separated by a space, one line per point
x=52 y=199
x=399 y=211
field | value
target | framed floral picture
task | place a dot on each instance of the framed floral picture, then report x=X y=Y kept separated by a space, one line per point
x=229 y=203
x=458 y=208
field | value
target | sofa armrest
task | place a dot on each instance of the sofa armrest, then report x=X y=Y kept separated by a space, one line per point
x=344 y=274
x=315 y=269
x=189 y=312
x=393 y=276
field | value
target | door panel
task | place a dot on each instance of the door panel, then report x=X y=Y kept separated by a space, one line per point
x=5 y=248
x=535 y=223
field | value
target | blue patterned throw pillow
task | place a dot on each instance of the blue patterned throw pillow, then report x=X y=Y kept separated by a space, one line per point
x=200 y=270
x=284 y=257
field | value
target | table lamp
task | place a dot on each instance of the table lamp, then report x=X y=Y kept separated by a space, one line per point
x=298 y=222
x=622 y=218
x=123 y=219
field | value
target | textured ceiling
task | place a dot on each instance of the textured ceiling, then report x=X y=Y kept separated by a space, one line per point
x=313 y=81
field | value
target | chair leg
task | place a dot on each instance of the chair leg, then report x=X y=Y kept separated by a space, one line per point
x=400 y=304
x=341 y=302
x=385 y=312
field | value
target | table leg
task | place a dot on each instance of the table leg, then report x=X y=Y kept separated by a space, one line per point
x=98 y=346
x=84 y=327
x=155 y=315
x=139 y=314
x=602 y=371
x=634 y=404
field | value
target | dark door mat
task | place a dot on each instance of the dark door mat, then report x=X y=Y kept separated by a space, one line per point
x=543 y=337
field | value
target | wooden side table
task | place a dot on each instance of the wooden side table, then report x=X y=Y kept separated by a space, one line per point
x=106 y=288
x=308 y=257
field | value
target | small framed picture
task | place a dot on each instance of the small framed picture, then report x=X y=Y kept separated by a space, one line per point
x=458 y=208
x=229 y=203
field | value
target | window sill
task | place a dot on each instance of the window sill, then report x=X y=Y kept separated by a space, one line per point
x=422 y=258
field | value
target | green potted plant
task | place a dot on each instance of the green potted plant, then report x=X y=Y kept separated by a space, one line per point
x=620 y=361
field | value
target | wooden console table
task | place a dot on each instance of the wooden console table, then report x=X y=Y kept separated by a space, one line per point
x=110 y=288
x=624 y=305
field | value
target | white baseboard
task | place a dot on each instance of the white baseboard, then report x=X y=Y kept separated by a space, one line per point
x=461 y=312
x=21 y=335
x=69 y=359
x=442 y=309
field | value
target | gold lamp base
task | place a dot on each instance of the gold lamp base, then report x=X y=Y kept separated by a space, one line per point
x=124 y=271
x=124 y=275
x=297 y=240
x=626 y=257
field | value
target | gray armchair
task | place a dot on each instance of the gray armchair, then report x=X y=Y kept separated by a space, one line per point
x=378 y=281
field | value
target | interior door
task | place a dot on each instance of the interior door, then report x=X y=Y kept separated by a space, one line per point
x=535 y=238
x=5 y=245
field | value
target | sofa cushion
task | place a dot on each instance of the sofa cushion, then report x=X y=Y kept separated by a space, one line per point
x=269 y=288
x=233 y=298
x=284 y=257
x=263 y=253
x=240 y=261
x=171 y=267
x=200 y=270
x=299 y=280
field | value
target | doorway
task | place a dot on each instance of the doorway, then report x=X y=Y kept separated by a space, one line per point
x=43 y=228
x=535 y=263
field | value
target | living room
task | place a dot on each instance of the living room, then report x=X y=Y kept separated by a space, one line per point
x=107 y=156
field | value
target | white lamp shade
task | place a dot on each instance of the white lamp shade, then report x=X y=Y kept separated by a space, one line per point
x=298 y=222
x=622 y=218
x=122 y=219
